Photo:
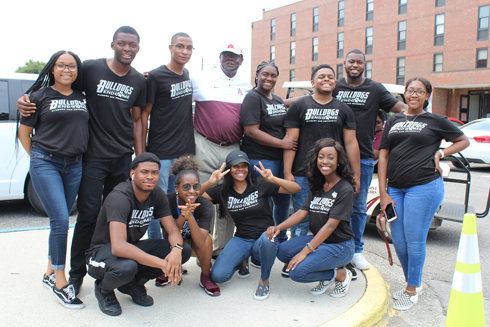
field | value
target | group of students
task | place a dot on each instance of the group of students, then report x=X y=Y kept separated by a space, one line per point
x=320 y=150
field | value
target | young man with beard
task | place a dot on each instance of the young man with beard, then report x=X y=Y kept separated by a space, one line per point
x=115 y=94
x=117 y=257
x=365 y=97
x=309 y=119
x=219 y=95
x=169 y=100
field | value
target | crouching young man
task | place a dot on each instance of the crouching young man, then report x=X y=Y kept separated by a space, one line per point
x=117 y=258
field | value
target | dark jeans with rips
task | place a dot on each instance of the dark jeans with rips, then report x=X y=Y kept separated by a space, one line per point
x=98 y=179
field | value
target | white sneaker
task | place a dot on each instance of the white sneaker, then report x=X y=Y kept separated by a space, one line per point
x=405 y=302
x=341 y=288
x=398 y=294
x=360 y=262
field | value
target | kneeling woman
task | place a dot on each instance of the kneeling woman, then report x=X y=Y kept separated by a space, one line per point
x=315 y=258
x=245 y=200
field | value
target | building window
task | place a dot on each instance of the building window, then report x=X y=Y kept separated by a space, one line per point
x=316 y=18
x=369 y=41
x=340 y=45
x=273 y=29
x=292 y=75
x=402 y=35
x=293 y=24
x=440 y=3
x=438 y=60
x=273 y=53
x=400 y=70
x=341 y=14
x=292 y=53
x=483 y=15
x=369 y=10
x=402 y=7
x=368 y=71
x=340 y=71
x=314 y=55
x=439 y=37
x=481 y=58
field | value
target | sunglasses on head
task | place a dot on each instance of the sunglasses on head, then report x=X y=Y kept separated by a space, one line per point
x=186 y=187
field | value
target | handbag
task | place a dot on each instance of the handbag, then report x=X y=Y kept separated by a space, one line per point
x=381 y=224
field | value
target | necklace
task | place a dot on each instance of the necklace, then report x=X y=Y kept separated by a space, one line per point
x=406 y=116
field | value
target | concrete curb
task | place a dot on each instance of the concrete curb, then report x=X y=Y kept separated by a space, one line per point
x=373 y=309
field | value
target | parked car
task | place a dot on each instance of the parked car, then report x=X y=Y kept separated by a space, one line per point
x=15 y=182
x=456 y=122
x=478 y=133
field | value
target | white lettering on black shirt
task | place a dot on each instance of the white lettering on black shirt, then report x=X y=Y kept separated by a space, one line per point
x=68 y=105
x=276 y=109
x=407 y=127
x=114 y=90
x=353 y=97
x=141 y=218
x=181 y=89
x=321 y=115
x=235 y=204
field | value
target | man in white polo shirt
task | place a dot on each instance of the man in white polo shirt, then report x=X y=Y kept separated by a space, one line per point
x=219 y=95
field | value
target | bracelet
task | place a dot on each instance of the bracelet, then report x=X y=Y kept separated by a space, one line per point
x=310 y=247
x=178 y=246
x=442 y=153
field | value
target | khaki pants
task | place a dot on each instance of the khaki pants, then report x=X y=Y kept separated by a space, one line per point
x=211 y=156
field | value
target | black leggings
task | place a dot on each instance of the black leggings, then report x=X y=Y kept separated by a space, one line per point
x=113 y=271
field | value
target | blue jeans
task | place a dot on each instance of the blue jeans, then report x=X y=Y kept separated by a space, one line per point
x=166 y=183
x=281 y=201
x=237 y=250
x=415 y=207
x=318 y=265
x=56 y=181
x=358 y=216
x=299 y=198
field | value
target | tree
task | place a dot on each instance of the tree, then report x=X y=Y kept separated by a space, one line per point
x=31 y=67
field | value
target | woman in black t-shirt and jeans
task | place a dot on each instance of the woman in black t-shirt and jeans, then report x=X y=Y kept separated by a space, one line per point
x=409 y=159
x=61 y=136
x=316 y=258
x=245 y=200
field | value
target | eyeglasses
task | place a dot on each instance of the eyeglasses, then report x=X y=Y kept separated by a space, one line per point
x=412 y=91
x=186 y=187
x=180 y=46
x=71 y=67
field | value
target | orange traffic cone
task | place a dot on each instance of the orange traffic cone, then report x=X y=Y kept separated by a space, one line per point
x=466 y=300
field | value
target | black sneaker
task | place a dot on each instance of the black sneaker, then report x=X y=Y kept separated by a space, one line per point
x=244 y=272
x=49 y=281
x=66 y=296
x=108 y=303
x=352 y=269
x=285 y=273
x=137 y=293
x=77 y=283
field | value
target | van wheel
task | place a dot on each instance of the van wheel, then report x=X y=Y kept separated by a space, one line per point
x=36 y=202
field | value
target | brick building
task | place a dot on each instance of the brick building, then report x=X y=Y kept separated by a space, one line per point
x=445 y=41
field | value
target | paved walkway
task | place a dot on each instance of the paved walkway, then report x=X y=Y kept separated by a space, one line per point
x=24 y=301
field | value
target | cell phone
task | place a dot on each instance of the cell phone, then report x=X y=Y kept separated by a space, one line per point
x=390 y=213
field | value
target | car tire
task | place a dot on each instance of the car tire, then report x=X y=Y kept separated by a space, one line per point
x=36 y=203
x=388 y=229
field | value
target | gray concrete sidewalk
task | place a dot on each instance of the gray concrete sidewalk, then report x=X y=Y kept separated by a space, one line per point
x=24 y=301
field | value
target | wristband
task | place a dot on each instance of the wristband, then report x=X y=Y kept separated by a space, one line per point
x=442 y=153
x=178 y=246
x=310 y=247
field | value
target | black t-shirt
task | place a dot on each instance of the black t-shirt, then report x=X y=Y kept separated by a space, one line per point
x=337 y=204
x=60 y=122
x=412 y=143
x=121 y=205
x=316 y=121
x=110 y=98
x=250 y=210
x=203 y=214
x=171 y=127
x=258 y=109
x=365 y=101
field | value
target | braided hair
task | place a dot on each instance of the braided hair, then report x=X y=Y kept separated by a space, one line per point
x=262 y=65
x=46 y=77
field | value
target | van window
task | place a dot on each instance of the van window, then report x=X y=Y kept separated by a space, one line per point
x=4 y=101
x=26 y=85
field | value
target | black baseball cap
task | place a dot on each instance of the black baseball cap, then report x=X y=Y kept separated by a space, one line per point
x=236 y=157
